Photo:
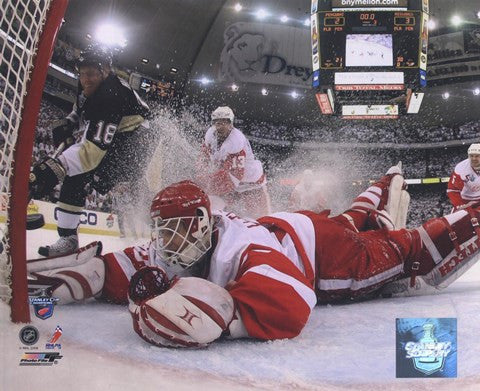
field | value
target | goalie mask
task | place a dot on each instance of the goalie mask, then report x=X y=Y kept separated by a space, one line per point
x=182 y=225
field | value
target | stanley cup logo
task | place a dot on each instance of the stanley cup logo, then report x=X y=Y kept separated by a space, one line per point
x=428 y=354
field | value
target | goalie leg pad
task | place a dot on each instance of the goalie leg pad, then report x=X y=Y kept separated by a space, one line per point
x=383 y=203
x=82 y=255
x=192 y=313
x=450 y=246
x=76 y=283
x=398 y=201
x=400 y=219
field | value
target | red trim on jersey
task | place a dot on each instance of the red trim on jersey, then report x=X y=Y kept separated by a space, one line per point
x=130 y=253
x=270 y=309
x=454 y=189
x=115 y=288
x=221 y=183
x=285 y=226
x=235 y=165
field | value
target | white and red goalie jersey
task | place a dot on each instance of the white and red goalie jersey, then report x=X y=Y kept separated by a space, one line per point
x=464 y=184
x=231 y=165
x=278 y=267
x=251 y=256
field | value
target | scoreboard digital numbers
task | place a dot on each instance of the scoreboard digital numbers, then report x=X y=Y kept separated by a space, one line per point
x=369 y=59
x=363 y=39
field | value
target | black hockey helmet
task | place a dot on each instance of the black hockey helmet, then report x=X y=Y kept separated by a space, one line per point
x=96 y=55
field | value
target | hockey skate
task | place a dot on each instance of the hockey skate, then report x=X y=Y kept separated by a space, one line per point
x=63 y=246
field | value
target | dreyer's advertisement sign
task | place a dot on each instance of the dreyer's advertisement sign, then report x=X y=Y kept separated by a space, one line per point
x=266 y=54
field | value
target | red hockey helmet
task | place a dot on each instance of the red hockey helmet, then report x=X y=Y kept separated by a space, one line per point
x=182 y=224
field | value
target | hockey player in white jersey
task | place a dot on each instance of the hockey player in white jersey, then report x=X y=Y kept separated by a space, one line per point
x=464 y=185
x=229 y=169
x=208 y=274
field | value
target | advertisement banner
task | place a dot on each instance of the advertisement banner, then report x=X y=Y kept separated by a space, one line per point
x=369 y=111
x=91 y=221
x=369 y=78
x=369 y=3
x=314 y=31
x=423 y=42
x=448 y=47
x=324 y=103
x=447 y=71
x=266 y=54
x=471 y=40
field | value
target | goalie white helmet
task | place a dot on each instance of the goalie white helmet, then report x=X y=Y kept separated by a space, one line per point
x=474 y=149
x=223 y=112
x=182 y=225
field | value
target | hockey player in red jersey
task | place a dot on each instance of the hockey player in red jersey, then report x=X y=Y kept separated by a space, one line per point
x=208 y=274
x=229 y=169
x=464 y=185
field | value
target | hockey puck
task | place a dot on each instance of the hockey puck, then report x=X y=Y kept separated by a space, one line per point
x=35 y=221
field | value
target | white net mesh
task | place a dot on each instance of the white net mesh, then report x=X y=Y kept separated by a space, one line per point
x=20 y=29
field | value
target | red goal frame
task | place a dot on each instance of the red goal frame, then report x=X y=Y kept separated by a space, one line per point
x=19 y=305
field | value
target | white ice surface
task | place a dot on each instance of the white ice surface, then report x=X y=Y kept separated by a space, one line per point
x=343 y=347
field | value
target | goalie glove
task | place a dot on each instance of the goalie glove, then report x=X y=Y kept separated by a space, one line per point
x=187 y=312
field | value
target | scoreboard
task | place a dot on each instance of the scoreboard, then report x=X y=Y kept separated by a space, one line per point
x=368 y=49
x=365 y=39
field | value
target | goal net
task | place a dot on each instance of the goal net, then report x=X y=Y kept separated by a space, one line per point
x=27 y=34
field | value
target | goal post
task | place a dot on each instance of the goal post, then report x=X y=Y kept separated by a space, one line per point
x=28 y=30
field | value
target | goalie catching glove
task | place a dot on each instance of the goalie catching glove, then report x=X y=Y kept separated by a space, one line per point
x=184 y=312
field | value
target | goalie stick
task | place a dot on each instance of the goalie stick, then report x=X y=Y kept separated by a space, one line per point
x=36 y=220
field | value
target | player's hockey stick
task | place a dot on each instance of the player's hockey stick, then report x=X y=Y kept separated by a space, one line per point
x=36 y=220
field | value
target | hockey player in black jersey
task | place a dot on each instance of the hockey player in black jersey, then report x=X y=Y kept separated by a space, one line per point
x=113 y=148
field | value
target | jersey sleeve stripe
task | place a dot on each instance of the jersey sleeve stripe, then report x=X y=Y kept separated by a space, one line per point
x=350 y=283
x=284 y=225
x=306 y=293
x=375 y=189
x=373 y=198
x=362 y=205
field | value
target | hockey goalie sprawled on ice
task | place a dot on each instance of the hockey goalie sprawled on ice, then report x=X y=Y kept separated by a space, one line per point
x=208 y=274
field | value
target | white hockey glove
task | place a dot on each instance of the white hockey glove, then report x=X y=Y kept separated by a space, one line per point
x=69 y=278
x=187 y=312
